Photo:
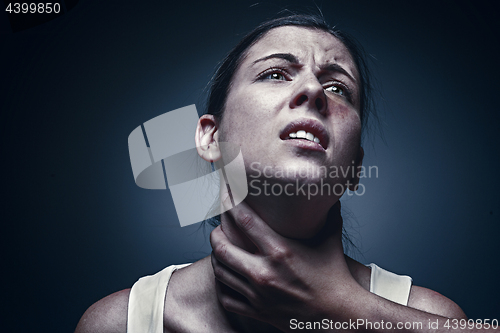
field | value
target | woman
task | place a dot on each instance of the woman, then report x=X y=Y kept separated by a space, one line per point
x=293 y=95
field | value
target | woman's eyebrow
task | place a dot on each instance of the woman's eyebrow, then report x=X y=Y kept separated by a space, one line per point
x=286 y=56
x=293 y=59
x=339 y=69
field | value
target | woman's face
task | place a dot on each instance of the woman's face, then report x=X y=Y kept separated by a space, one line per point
x=295 y=82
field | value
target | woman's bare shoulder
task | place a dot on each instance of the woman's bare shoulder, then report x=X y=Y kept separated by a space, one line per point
x=433 y=302
x=109 y=315
x=420 y=298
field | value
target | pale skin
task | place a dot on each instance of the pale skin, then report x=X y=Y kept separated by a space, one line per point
x=275 y=258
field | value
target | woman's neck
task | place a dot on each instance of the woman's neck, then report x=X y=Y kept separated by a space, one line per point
x=288 y=218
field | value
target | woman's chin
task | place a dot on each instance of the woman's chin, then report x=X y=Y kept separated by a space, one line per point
x=292 y=192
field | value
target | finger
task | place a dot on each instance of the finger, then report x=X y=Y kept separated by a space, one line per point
x=233 y=302
x=231 y=279
x=249 y=222
x=232 y=256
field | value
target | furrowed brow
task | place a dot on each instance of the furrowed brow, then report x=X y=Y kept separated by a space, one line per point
x=285 y=56
x=339 y=69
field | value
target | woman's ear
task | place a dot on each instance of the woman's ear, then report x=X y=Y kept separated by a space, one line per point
x=206 y=138
x=359 y=162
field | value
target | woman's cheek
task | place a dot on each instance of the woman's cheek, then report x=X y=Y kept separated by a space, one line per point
x=341 y=110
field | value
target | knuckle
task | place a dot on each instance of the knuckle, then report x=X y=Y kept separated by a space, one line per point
x=220 y=251
x=281 y=253
x=262 y=278
x=246 y=221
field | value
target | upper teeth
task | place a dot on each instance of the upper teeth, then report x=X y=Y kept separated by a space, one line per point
x=303 y=135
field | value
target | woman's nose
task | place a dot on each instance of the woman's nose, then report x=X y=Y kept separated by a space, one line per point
x=310 y=94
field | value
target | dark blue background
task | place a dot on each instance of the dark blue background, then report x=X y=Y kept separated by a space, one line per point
x=76 y=228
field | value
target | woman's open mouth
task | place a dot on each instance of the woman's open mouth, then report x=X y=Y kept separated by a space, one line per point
x=306 y=133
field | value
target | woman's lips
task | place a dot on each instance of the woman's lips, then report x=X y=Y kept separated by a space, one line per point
x=307 y=133
x=304 y=144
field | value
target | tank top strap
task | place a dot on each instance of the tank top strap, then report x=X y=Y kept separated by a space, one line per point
x=390 y=286
x=147 y=300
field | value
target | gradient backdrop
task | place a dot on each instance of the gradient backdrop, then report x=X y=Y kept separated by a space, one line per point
x=76 y=228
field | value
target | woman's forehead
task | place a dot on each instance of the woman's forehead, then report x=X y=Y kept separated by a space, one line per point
x=306 y=44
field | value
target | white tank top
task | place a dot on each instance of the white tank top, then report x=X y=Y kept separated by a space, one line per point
x=147 y=297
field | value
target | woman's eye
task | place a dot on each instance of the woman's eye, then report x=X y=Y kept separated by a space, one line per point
x=275 y=76
x=336 y=90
